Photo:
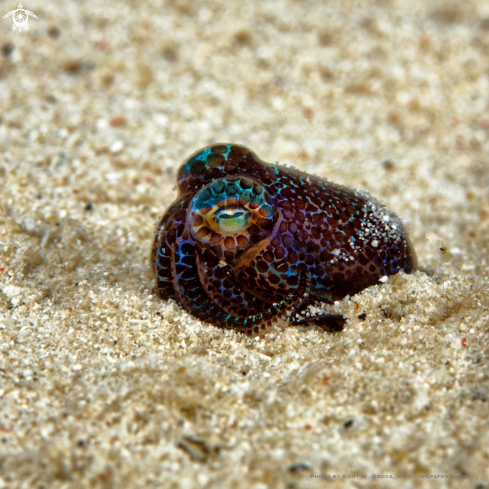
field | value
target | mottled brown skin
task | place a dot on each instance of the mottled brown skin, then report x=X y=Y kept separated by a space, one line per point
x=246 y=241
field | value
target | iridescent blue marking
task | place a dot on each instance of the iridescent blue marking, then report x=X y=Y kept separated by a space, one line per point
x=267 y=263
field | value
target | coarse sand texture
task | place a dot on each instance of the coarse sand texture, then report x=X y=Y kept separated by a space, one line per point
x=102 y=384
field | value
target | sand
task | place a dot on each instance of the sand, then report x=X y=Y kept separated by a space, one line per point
x=102 y=384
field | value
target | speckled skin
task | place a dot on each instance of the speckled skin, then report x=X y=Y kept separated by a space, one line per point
x=247 y=242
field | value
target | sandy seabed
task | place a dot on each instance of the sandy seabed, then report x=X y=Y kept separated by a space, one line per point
x=103 y=385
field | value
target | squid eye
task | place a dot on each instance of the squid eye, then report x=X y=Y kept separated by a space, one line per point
x=232 y=219
x=232 y=213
